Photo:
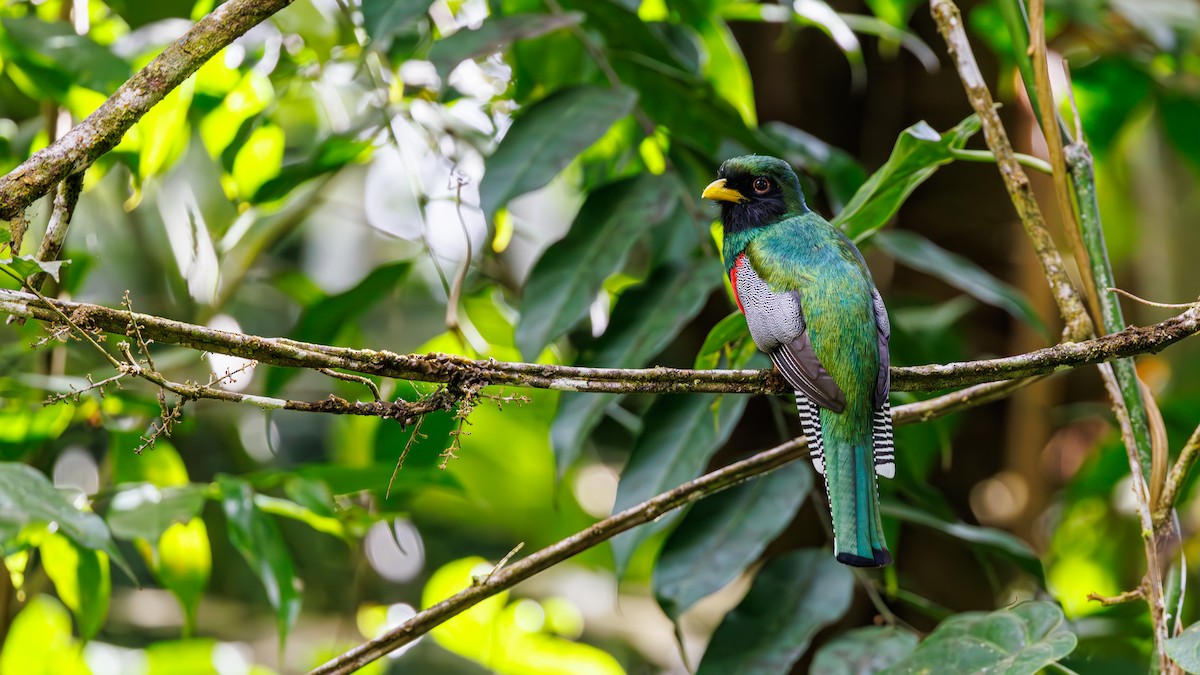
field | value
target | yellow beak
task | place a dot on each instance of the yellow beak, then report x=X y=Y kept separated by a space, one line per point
x=716 y=190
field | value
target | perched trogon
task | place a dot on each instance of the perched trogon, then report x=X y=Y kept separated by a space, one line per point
x=812 y=306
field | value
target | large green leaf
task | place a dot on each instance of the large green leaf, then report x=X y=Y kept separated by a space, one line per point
x=681 y=434
x=729 y=338
x=919 y=253
x=494 y=35
x=81 y=579
x=645 y=319
x=1185 y=649
x=55 y=58
x=565 y=281
x=722 y=535
x=28 y=265
x=863 y=651
x=998 y=540
x=182 y=563
x=28 y=499
x=1017 y=641
x=793 y=597
x=321 y=321
x=145 y=512
x=546 y=137
x=383 y=19
x=39 y=641
x=256 y=536
x=918 y=153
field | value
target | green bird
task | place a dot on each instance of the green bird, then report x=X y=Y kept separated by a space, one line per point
x=812 y=306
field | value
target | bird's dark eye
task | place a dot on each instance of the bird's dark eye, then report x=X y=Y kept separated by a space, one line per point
x=762 y=184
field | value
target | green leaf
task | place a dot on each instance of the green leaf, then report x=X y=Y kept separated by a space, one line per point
x=182 y=564
x=1020 y=640
x=645 y=319
x=383 y=19
x=919 y=253
x=289 y=509
x=729 y=337
x=145 y=512
x=723 y=535
x=40 y=642
x=863 y=651
x=565 y=281
x=257 y=538
x=321 y=321
x=331 y=154
x=494 y=35
x=1179 y=114
x=998 y=540
x=1184 y=649
x=81 y=579
x=840 y=173
x=313 y=495
x=27 y=499
x=793 y=597
x=27 y=265
x=545 y=137
x=680 y=436
x=54 y=57
x=1107 y=92
x=918 y=153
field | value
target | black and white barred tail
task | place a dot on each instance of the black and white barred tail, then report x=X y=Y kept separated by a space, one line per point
x=882 y=440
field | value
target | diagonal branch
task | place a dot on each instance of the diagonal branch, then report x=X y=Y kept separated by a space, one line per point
x=103 y=129
x=446 y=367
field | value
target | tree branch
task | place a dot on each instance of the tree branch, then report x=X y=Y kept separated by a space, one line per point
x=445 y=367
x=103 y=129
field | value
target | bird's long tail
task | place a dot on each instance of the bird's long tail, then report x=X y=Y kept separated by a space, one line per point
x=848 y=452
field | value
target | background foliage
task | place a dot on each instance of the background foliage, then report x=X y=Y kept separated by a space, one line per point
x=519 y=180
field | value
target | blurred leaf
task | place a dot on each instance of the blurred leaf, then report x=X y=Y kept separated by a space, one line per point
x=53 y=57
x=999 y=540
x=1107 y=91
x=331 y=154
x=184 y=563
x=374 y=477
x=863 y=651
x=840 y=173
x=1179 y=114
x=729 y=337
x=313 y=495
x=494 y=35
x=919 y=253
x=321 y=321
x=194 y=656
x=681 y=434
x=1023 y=639
x=918 y=153
x=644 y=321
x=256 y=536
x=162 y=131
x=27 y=265
x=545 y=137
x=726 y=67
x=39 y=641
x=23 y=424
x=258 y=160
x=290 y=509
x=793 y=597
x=28 y=499
x=145 y=512
x=1184 y=649
x=724 y=534
x=382 y=19
x=81 y=579
x=161 y=466
x=566 y=279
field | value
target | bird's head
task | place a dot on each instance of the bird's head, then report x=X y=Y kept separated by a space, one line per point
x=755 y=190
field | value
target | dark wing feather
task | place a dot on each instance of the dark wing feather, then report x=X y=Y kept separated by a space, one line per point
x=799 y=365
x=883 y=381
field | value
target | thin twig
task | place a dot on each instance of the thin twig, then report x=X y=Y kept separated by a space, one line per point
x=1138 y=593
x=1151 y=303
x=364 y=381
x=65 y=199
x=1187 y=457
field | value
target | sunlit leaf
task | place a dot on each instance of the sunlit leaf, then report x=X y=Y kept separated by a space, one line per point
x=328 y=156
x=28 y=499
x=321 y=321
x=722 y=535
x=863 y=651
x=1021 y=639
x=81 y=579
x=645 y=319
x=998 y=540
x=1184 y=649
x=145 y=512
x=27 y=265
x=919 y=253
x=495 y=35
x=53 y=57
x=194 y=656
x=681 y=434
x=258 y=160
x=289 y=509
x=184 y=562
x=161 y=466
x=729 y=336
x=39 y=641
x=565 y=281
x=793 y=597
x=545 y=137
x=916 y=156
x=162 y=132
x=257 y=538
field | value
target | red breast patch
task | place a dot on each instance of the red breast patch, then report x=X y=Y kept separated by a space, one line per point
x=733 y=272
